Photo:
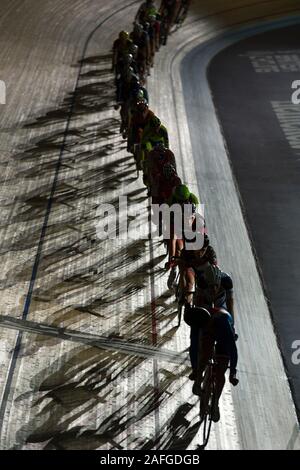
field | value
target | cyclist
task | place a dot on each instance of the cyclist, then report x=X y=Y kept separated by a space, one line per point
x=216 y=296
x=138 y=122
x=148 y=13
x=168 y=10
x=140 y=38
x=136 y=94
x=121 y=47
x=181 y=195
x=162 y=186
x=124 y=85
x=194 y=262
x=162 y=183
x=146 y=9
x=182 y=12
x=155 y=25
x=137 y=91
x=157 y=159
x=154 y=133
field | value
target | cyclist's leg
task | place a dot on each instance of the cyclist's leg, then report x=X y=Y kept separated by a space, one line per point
x=172 y=245
x=221 y=367
x=157 y=35
x=220 y=370
x=205 y=351
x=188 y=281
x=176 y=245
x=226 y=344
x=124 y=119
x=193 y=349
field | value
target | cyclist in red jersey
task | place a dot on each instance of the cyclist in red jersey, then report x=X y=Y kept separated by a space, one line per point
x=158 y=157
x=164 y=183
x=139 y=120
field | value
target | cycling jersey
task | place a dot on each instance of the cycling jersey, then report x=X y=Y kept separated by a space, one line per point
x=138 y=123
x=151 y=137
x=193 y=260
x=142 y=41
x=192 y=200
x=219 y=330
x=161 y=188
x=204 y=297
x=158 y=158
x=120 y=48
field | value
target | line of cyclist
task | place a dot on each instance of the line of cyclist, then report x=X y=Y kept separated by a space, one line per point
x=207 y=291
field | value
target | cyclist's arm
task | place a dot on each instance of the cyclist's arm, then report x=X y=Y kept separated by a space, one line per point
x=146 y=95
x=211 y=255
x=227 y=284
x=139 y=13
x=194 y=199
x=115 y=56
x=165 y=136
x=230 y=303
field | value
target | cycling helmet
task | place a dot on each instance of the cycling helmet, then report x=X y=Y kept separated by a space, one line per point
x=206 y=241
x=151 y=18
x=129 y=73
x=146 y=26
x=182 y=193
x=159 y=146
x=138 y=28
x=135 y=81
x=128 y=59
x=133 y=49
x=141 y=106
x=124 y=35
x=213 y=275
x=168 y=171
x=140 y=94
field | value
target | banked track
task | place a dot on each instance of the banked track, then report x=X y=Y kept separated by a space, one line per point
x=62 y=395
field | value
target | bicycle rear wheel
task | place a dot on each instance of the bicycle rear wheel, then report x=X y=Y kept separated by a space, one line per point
x=179 y=298
x=206 y=403
x=179 y=312
x=207 y=422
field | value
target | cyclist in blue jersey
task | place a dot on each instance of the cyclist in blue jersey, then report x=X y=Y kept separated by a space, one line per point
x=215 y=296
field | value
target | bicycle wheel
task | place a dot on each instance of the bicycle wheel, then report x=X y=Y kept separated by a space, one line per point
x=207 y=424
x=179 y=299
x=179 y=312
x=206 y=402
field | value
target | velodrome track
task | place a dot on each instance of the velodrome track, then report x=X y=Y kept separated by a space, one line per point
x=90 y=354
